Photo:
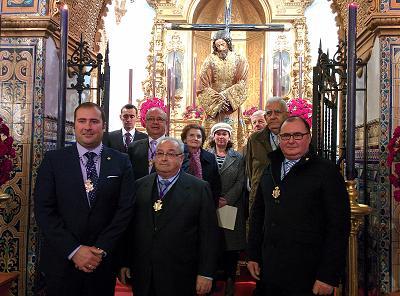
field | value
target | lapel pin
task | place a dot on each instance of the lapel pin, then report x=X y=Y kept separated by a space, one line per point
x=108 y=158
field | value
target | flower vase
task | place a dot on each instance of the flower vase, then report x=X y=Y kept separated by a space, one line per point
x=4 y=196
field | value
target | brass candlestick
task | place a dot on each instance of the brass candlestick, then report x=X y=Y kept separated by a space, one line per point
x=358 y=211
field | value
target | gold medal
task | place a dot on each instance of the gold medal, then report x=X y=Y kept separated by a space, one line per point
x=157 y=205
x=276 y=192
x=88 y=185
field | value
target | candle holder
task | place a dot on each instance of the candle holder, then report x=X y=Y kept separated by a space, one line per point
x=358 y=212
x=4 y=196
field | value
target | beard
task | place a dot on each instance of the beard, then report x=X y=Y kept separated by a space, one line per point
x=222 y=54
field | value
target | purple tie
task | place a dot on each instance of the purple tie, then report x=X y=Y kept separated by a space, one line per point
x=128 y=140
x=91 y=174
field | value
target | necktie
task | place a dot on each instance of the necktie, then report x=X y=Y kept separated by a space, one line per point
x=92 y=177
x=163 y=186
x=128 y=140
x=152 y=152
x=287 y=166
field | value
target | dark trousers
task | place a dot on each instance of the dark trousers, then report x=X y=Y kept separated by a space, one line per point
x=78 y=283
x=228 y=264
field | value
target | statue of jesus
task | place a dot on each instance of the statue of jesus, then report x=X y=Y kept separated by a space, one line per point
x=223 y=87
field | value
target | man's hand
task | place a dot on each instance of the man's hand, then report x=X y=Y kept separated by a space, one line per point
x=254 y=269
x=321 y=288
x=87 y=258
x=222 y=202
x=203 y=285
x=124 y=274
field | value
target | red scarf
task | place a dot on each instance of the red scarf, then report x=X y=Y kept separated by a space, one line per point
x=195 y=164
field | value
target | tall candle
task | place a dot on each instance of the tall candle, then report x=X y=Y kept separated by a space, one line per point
x=153 y=80
x=168 y=99
x=351 y=91
x=62 y=88
x=194 y=80
x=300 y=76
x=130 y=86
x=260 y=103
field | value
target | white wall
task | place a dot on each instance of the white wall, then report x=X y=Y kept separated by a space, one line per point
x=129 y=46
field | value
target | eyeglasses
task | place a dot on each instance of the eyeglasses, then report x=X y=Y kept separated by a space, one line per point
x=155 y=119
x=167 y=154
x=296 y=136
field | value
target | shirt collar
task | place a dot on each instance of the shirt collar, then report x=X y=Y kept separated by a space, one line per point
x=132 y=132
x=82 y=150
x=158 y=140
x=169 y=179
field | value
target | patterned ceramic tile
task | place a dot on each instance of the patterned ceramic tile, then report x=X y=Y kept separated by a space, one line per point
x=19 y=6
x=21 y=86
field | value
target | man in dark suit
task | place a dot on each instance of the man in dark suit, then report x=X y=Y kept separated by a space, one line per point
x=120 y=139
x=173 y=233
x=300 y=220
x=142 y=152
x=83 y=203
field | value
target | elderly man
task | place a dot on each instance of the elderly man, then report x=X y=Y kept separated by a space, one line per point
x=142 y=152
x=120 y=139
x=258 y=121
x=173 y=236
x=300 y=219
x=262 y=142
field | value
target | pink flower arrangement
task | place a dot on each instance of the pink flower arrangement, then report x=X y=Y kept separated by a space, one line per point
x=150 y=103
x=249 y=112
x=7 y=153
x=193 y=112
x=393 y=149
x=302 y=108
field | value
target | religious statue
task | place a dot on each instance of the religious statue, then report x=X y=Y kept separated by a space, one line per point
x=223 y=87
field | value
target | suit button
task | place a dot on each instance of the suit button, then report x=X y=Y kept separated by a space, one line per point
x=273 y=224
x=155 y=229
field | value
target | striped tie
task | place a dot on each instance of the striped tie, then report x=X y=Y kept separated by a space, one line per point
x=287 y=166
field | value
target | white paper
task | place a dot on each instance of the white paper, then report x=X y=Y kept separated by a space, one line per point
x=227 y=217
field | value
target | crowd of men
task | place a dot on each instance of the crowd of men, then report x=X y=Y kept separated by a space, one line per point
x=126 y=204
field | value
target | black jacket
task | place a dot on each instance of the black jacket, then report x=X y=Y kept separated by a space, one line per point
x=300 y=236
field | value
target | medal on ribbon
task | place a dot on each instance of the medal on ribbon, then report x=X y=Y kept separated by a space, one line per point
x=89 y=185
x=157 y=205
x=276 y=192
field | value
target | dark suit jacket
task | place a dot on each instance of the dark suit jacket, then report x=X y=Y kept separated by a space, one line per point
x=114 y=139
x=64 y=216
x=138 y=152
x=171 y=247
x=302 y=235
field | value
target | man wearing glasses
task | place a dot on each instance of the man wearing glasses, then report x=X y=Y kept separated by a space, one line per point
x=172 y=237
x=300 y=219
x=142 y=152
x=120 y=139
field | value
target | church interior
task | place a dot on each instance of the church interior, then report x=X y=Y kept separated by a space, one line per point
x=129 y=51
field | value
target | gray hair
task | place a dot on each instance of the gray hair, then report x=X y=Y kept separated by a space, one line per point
x=174 y=140
x=258 y=113
x=280 y=101
x=157 y=109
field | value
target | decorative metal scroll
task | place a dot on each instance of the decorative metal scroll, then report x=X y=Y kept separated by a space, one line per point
x=329 y=86
x=81 y=64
